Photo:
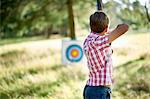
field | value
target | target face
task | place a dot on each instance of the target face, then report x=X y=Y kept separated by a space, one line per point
x=74 y=53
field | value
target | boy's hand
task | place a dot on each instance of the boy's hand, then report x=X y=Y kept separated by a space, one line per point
x=117 y=32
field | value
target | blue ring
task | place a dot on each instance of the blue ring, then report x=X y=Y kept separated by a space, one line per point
x=68 y=53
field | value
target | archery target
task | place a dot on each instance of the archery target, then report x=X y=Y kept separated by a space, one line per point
x=71 y=51
x=74 y=53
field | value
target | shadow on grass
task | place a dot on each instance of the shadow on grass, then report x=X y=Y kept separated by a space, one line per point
x=45 y=87
x=9 y=58
x=20 y=73
x=134 y=75
x=57 y=67
x=4 y=96
x=42 y=89
x=141 y=58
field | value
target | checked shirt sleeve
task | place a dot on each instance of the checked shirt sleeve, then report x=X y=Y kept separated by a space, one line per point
x=102 y=42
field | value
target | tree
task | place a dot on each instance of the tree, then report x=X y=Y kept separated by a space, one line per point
x=71 y=19
x=42 y=17
x=22 y=17
x=133 y=14
x=147 y=14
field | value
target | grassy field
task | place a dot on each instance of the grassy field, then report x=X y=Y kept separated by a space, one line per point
x=33 y=70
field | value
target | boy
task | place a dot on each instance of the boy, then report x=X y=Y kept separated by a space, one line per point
x=98 y=53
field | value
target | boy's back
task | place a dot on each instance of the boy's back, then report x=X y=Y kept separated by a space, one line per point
x=98 y=53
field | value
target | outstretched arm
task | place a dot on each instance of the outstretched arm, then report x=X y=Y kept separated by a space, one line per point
x=117 y=32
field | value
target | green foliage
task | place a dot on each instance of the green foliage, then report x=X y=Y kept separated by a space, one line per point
x=134 y=14
x=19 y=18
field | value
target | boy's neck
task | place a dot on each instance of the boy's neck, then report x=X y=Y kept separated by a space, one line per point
x=102 y=33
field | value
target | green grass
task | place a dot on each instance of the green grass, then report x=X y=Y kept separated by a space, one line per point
x=132 y=78
x=19 y=40
x=30 y=72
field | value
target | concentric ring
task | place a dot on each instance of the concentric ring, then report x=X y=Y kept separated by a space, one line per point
x=74 y=53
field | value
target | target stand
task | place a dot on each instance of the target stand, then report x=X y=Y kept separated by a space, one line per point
x=71 y=51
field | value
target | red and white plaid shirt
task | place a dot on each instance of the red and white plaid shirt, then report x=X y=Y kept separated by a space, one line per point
x=98 y=54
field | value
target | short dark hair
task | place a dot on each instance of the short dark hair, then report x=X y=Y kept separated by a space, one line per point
x=98 y=22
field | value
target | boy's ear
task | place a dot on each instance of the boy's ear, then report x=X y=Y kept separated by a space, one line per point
x=106 y=29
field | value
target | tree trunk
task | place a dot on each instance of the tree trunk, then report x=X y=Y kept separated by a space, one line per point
x=147 y=14
x=71 y=20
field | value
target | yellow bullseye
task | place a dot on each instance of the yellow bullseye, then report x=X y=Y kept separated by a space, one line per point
x=74 y=53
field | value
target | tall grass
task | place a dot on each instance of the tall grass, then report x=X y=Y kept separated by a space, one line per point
x=33 y=70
